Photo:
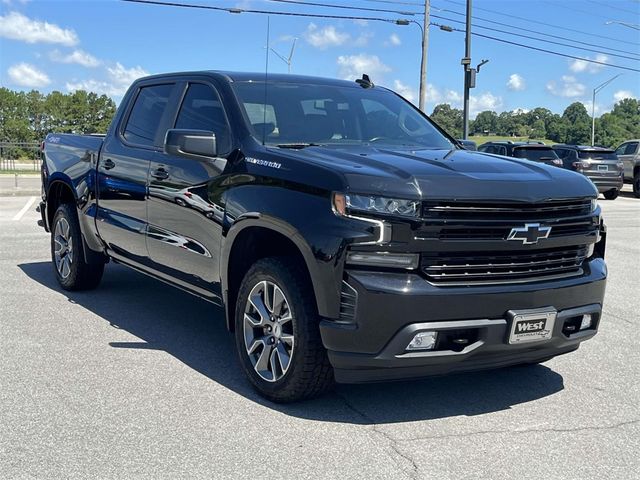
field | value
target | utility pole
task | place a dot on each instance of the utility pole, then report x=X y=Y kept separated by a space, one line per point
x=593 y=106
x=425 y=51
x=466 y=62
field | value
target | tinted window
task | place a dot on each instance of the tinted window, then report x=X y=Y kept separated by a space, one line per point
x=202 y=110
x=621 y=149
x=146 y=114
x=535 y=154
x=335 y=115
x=598 y=154
x=483 y=148
x=631 y=148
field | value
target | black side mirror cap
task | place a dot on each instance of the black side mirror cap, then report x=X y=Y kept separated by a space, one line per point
x=195 y=144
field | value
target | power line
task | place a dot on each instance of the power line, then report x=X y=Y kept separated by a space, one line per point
x=475 y=17
x=263 y=12
x=344 y=7
x=387 y=20
x=551 y=52
x=546 y=24
x=537 y=39
x=637 y=12
x=350 y=7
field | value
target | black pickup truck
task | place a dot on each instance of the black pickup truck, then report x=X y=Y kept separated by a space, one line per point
x=347 y=236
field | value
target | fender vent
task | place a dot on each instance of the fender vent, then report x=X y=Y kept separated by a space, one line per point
x=348 y=303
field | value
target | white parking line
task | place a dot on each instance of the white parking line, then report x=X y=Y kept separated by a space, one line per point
x=27 y=206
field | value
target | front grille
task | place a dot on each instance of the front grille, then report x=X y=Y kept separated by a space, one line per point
x=503 y=267
x=454 y=221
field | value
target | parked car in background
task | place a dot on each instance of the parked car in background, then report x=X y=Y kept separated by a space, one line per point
x=629 y=154
x=468 y=144
x=534 y=151
x=600 y=165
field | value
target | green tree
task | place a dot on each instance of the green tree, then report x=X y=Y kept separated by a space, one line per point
x=485 y=123
x=538 y=130
x=450 y=119
x=578 y=124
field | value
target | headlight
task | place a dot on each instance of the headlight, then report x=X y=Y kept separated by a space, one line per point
x=375 y=204
x=594 y=204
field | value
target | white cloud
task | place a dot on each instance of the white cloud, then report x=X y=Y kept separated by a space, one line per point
x=77 y=56
x=622 y=94
x=361 y=23
x=325 y=37
x=351 y=67
x=26 y=75
x=394 y=40
x=477 y=104
x=579 y=66
x=405 y=90
x=119 y=80
x=516 y=83
x=363 y=39
x=16 y=26
x=568 y=87
x=486 y=101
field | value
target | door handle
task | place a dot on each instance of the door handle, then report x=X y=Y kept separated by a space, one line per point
x=160 y=174
x=108 y=164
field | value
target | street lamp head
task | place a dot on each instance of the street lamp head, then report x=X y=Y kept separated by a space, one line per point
x=402 y=21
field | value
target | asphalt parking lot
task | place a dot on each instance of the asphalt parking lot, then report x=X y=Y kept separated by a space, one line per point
x=140 y=380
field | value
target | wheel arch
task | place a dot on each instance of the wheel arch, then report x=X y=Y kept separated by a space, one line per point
x=251 y=239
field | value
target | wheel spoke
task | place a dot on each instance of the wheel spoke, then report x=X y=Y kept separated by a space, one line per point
x=253 y=323
x=278 y=301
x=59 y=245
x=66 y=269
x=285 y=319
x=258 y=304
x=65 y=228
x=283 y=357
x=257 y=342
x=262 y=365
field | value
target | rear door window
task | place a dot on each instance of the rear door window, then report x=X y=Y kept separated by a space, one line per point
x=621 y=149
x=146 y=114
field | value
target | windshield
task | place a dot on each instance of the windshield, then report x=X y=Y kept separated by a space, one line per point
x=535 y=154
x=597 y=155
x=301 y=114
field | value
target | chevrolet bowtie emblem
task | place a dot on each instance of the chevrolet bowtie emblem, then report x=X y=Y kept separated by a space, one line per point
x=530 y=233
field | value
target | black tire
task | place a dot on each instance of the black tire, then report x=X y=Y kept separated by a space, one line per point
x=611 y=194
x=309 y=373
x=78 y=274
x=636 y=184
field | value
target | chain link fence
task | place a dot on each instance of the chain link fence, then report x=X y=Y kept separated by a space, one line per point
x=20 y=157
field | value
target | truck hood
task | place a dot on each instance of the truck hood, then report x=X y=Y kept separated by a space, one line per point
x=447 y=174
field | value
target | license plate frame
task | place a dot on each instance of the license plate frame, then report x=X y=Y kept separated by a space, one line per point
x=537 y=326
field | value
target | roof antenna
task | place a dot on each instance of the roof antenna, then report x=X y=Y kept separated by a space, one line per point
x=266 y=76
x=365 y=81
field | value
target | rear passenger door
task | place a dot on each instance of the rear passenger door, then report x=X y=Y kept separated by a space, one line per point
x=185 y=215
x=123 y=168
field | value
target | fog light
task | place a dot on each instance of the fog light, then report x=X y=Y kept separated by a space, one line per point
x=423 y=341
x=585 y=322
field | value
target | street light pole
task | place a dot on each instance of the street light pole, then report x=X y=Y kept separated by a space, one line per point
x=466 y=62
x=425 y=51
x=635 y=26
x=593 y=106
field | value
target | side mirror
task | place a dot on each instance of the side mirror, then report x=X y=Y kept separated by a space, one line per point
x=190 y=143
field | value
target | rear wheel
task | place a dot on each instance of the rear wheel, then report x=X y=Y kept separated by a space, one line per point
x=636 y=184
x=72 y=272
x=611 y=194
x=277 y=332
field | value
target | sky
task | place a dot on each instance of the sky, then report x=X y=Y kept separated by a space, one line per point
x=103 y=45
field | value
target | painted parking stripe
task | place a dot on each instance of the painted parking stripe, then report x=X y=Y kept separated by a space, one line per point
x=27 y=206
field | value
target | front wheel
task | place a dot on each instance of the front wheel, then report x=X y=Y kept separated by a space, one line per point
x=611 y=194
x=277 y=332
x=71 y=269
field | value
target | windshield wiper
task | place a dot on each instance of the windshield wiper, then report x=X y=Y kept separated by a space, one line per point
x=297 y=146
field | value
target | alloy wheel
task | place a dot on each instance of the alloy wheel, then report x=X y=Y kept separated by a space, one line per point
x=268 y=331
x=63 y=250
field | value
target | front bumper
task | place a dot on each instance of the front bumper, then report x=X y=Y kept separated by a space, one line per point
x=393 y=307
